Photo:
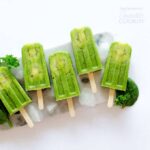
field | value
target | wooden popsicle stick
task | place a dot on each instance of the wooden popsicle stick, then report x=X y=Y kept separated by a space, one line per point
x=111 y=98
x=71 y=107
x=26 y=117
x=40 y=99
x=92 y=82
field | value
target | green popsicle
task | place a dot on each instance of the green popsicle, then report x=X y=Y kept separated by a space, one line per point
x=86 y=53
x=35 y=70
x=117 y=66
x=12 y=94
x=64 y=79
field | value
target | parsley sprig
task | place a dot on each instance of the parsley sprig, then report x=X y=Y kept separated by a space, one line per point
x=9 y=61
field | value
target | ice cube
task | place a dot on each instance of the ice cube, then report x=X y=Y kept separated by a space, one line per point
x=51 y=107
x=34 y=112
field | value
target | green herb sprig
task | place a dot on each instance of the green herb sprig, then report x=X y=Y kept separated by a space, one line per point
x=9 y=61
x=128 y=97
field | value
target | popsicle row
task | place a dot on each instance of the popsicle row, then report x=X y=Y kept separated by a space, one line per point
x=64 y=80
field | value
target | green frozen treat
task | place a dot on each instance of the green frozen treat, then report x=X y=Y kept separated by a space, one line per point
x=117 y=67
x=63 y=76
x=34 y=66
x=12 y=94
x=85 y=51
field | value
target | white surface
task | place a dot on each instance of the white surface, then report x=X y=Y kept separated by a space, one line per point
x=50 y=22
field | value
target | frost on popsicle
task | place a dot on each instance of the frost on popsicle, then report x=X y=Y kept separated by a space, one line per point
x=116 y=69
x=85 y=51
x=64 y=79
x=12 y=95
x=86 y=54
x=35 y=70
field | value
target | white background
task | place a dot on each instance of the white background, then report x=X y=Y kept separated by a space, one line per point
x=50 y=22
